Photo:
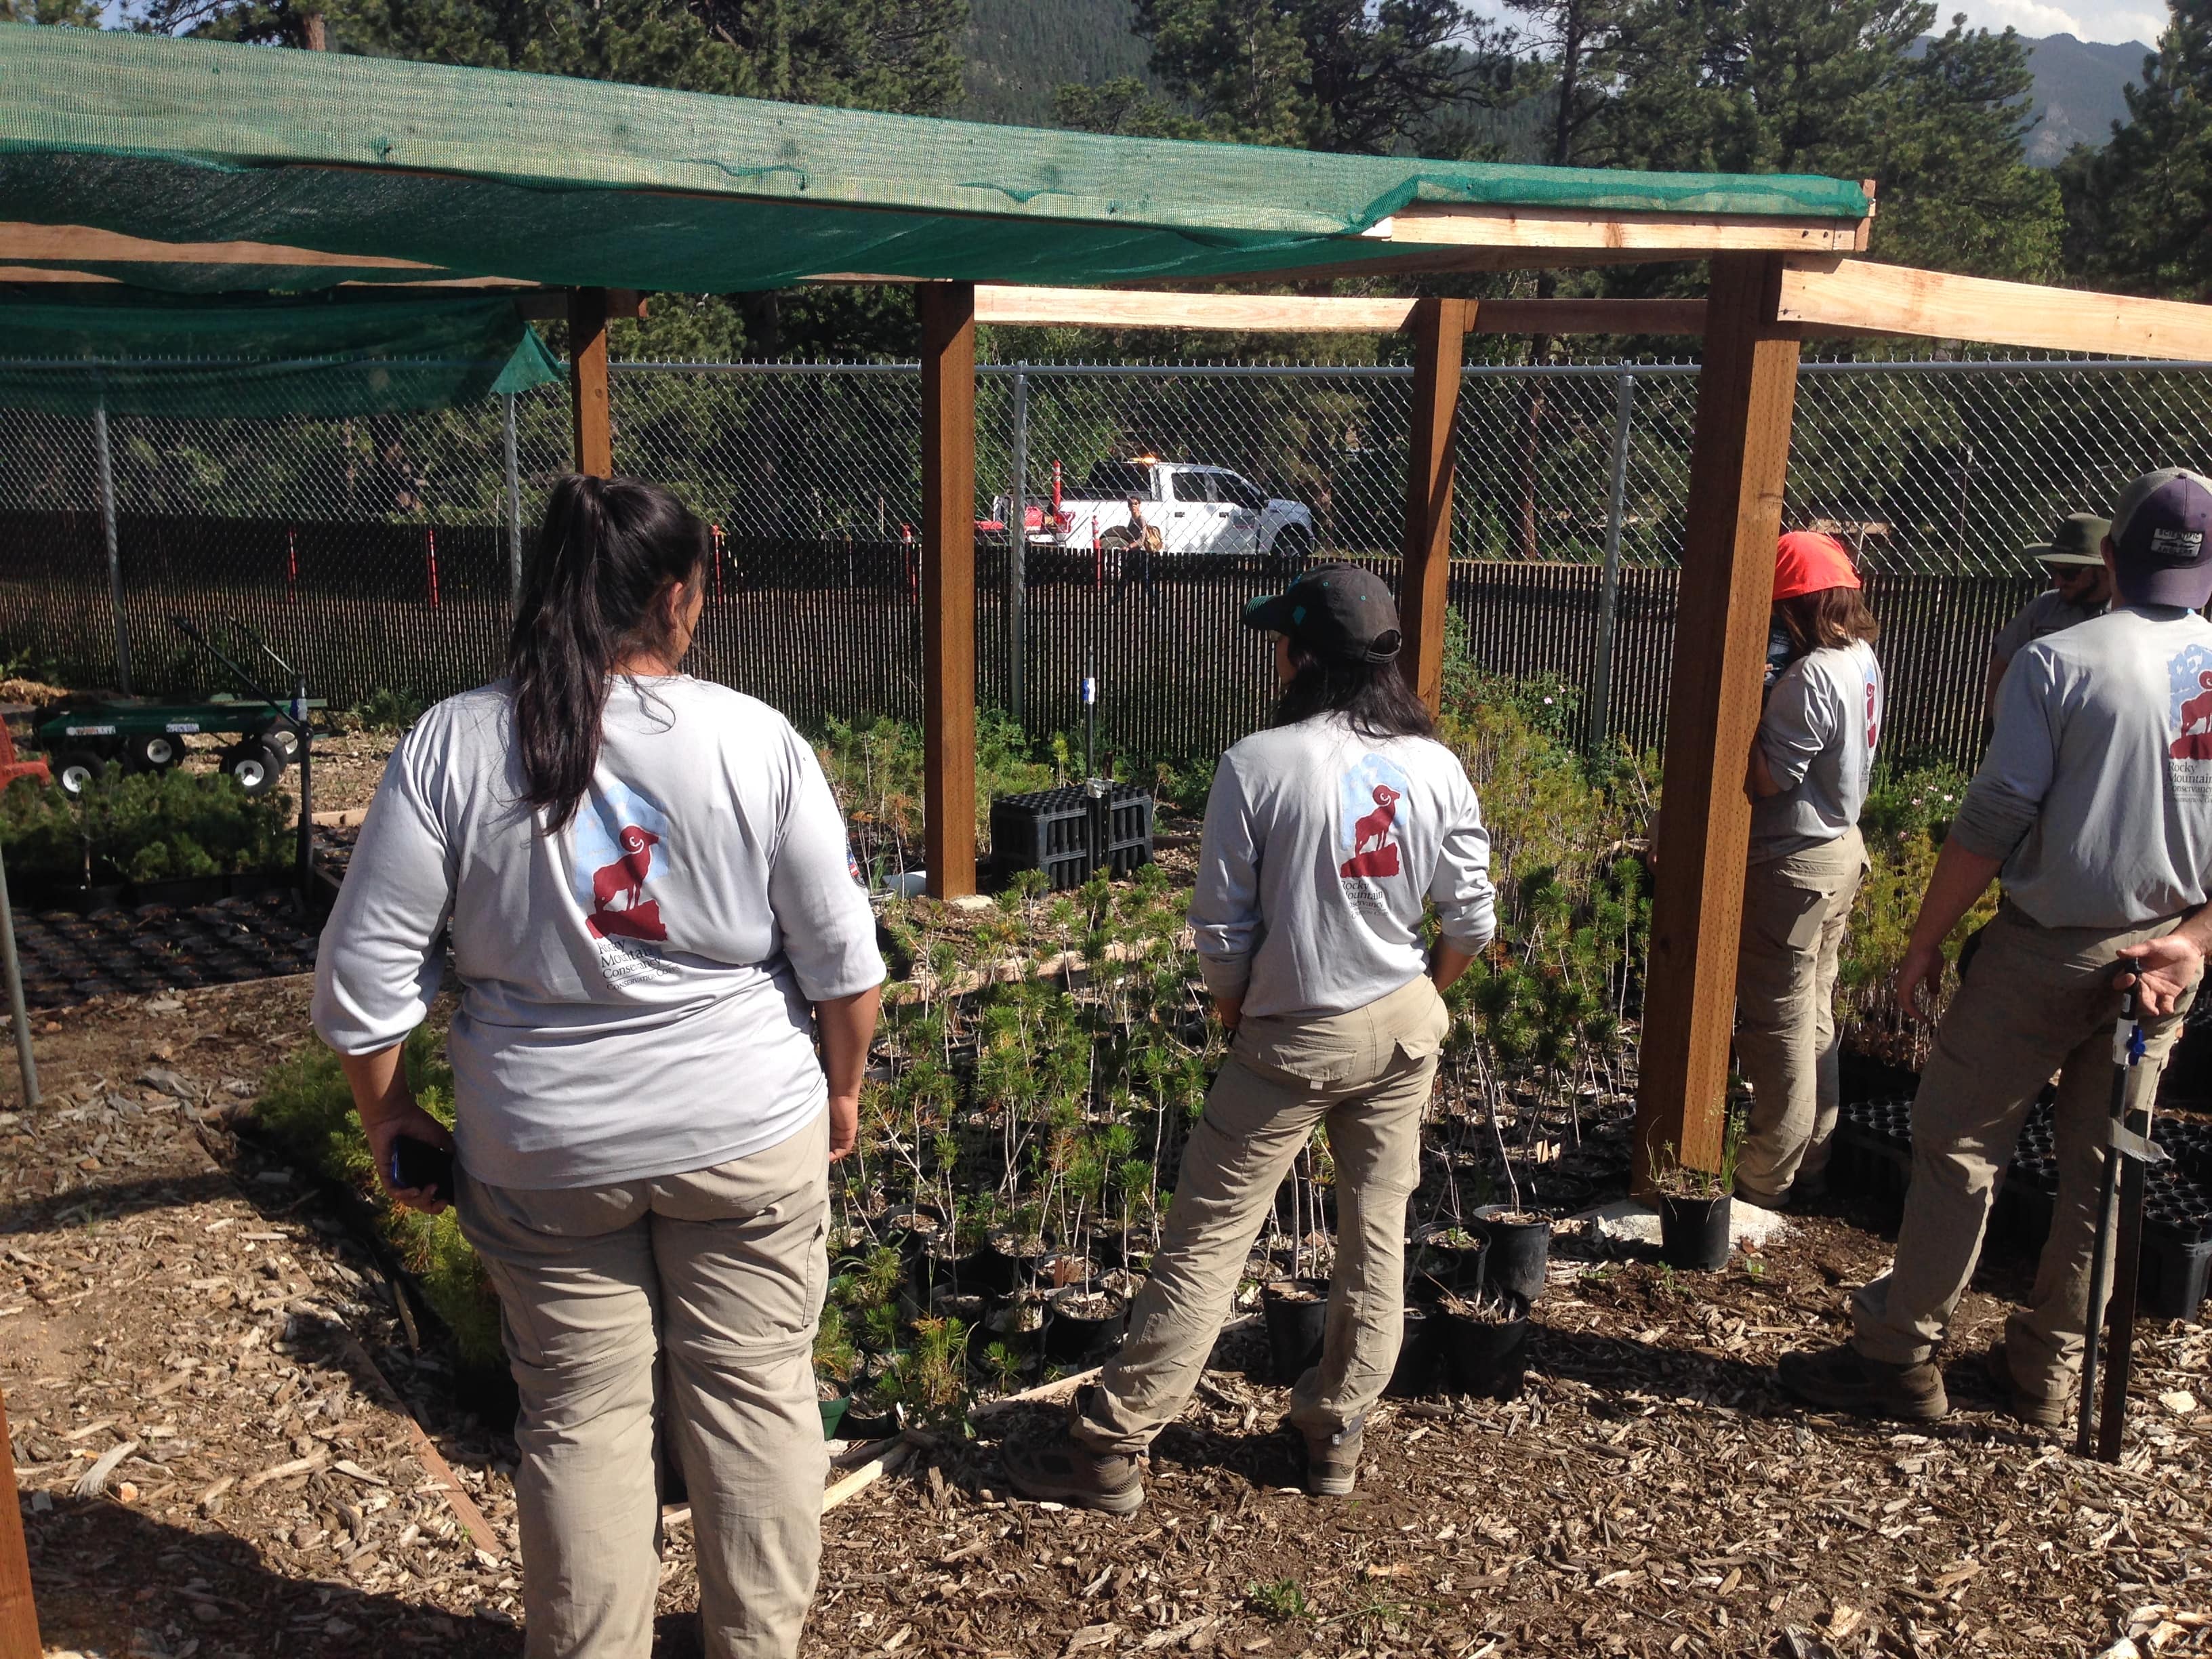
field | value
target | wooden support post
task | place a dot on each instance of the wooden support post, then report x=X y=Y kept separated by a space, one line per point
x=948 y=585
x=590 y=415
x=1739 y=458
x=1439 y=329
x=19 y=1614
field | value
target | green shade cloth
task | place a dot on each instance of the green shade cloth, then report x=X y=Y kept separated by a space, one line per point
x=567 y=182
x=150 y=354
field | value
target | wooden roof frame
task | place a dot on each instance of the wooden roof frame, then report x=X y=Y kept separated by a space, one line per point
x=1774 y=282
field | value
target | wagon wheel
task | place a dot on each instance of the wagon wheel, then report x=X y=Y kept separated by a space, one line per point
x=155 y=751
x=254 y=765
x=76 y=770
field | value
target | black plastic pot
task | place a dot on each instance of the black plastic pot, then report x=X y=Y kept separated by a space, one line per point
x=1083 y=1339
x=1419 y=1372
x=1520 y=1252
x=868 y=1418
x=1297 y=1315
x=1004 y=1265
x=1448 y=1269
x=1487 y=1357
x=1694 y=1232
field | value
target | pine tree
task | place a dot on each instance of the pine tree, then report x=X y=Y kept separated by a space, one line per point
x=1349 y=76
x=2139 y=211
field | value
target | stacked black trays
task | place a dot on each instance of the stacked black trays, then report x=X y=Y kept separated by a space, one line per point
x=1873 y=1158
x=1052 y=830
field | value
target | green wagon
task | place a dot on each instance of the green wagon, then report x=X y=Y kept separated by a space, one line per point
x=142 y=735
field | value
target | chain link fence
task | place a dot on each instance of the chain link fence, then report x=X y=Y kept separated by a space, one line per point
x=378 y=551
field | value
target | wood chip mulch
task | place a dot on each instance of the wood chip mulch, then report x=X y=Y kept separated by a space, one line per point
x=195 y=1351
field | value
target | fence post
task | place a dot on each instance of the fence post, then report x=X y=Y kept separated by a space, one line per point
x=1608 y=601
x=106 y=464
x=513 y=510
x=1017 y=547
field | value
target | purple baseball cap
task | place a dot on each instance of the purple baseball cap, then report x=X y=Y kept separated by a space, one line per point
x=2161 y=539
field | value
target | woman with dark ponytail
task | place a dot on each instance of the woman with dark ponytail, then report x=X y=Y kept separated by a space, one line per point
x=652 y=920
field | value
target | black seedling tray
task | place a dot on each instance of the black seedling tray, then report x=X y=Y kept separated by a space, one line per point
x=1873 y=1160
x=69 y=958
x=1051 y=830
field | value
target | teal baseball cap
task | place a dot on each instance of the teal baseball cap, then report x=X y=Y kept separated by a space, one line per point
x=1340 y=612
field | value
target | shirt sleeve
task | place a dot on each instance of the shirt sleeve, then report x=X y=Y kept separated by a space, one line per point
x=378 y=967
x=829 y=930
x=1461 y=889
x=2014 y=637
x=1224 y=907
x=1799 y=722
x=2003 y=802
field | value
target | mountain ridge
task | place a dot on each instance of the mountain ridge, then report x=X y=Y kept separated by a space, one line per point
x=1016 y=51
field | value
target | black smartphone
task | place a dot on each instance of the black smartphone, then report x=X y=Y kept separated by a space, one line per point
x=418 y=1164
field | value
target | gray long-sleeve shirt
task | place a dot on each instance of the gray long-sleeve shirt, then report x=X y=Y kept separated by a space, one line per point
x=634 y=988
x=1819 y=735
x=2097 y=788
x=1321 y=852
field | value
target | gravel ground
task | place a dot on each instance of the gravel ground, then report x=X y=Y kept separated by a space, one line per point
x=190 y=1337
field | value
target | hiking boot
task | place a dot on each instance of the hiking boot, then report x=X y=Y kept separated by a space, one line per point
x=2040 y=1411
x=1759 y=1200
x=1843 y=1379
x=1333 y=1461
x=1061 y=1469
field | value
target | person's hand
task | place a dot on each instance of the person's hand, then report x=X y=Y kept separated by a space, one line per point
x=406 y=1118
x=1922 y=968
x=2165 y=970
x=1230 y=1011
x=844 y=1125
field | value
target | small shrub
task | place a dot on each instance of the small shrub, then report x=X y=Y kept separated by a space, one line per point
x=144 y=826
x=1282 y=1601
x=305 y=1104
x=387 y=708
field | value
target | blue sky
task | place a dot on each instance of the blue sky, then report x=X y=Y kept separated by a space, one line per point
x=2087 y=20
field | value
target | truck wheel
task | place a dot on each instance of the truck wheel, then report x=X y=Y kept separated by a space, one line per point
x=254 y=766
x=76 y=770
x=155 y=751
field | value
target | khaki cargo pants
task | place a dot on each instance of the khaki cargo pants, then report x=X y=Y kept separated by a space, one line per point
x=1794 y=909
x=720 y=1273
x=2036 y=999
x=1368 y=1075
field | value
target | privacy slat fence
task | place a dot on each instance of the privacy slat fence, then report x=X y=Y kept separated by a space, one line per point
x=832 y=629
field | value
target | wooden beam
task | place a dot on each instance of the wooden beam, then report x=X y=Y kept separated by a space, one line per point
x=1099 y=307
x=82 y=245
x=19 y=1613
x=1935 y=304
x=1674 y=235
x=1322 y=313
x=1746 y=391
x=51 y=274
x=591 y=417
x=948 y=585
x=1439 y=328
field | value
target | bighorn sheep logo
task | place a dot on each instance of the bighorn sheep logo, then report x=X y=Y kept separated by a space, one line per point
x=1381 y=858
x=2194 y=741
x=635 y=917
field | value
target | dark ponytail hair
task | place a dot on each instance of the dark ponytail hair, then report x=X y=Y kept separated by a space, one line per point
x=1372 y=696
x=608 y=551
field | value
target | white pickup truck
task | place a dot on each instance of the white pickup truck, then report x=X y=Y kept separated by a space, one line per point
x=1196 y=509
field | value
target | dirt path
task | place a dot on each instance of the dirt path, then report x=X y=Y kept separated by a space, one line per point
x=162 y=1284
